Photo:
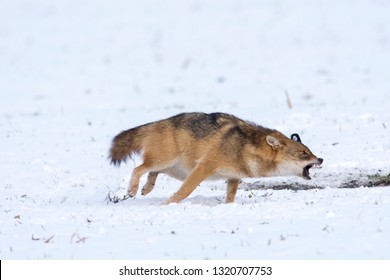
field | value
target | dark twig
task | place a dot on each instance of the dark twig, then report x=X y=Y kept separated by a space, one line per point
x=116 y=199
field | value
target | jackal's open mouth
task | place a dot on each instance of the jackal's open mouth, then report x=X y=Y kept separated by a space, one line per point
x=306 y=173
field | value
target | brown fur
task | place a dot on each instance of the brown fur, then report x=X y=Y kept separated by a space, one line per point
x=193 y=147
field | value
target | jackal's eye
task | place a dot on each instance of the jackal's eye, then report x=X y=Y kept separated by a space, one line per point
x=304 y=155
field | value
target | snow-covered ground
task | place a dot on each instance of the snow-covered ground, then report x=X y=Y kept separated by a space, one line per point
x=75 y=73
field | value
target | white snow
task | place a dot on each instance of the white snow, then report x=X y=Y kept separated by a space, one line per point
x=75 y=73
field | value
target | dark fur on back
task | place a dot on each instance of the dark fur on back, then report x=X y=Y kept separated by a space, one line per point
x=201 y=125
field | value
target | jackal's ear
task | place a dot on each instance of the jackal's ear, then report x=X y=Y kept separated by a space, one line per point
x=275 y=143
x=296 y=137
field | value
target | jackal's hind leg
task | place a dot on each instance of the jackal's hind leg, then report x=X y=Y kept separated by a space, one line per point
x=232 y=185
x=135 y=176
x=148 y=187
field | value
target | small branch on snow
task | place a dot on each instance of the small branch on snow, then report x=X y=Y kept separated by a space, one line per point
x=49 y=239
x=78 y=237
x=116 y=199
x=34 y=238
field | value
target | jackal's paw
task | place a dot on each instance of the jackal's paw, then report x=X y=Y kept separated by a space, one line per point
x=169 y=201
x=166 y=202
x=132 y=192
x=147 y=189
x=173 y=199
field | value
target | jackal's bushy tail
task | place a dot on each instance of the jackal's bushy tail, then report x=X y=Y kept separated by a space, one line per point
x=125 y=144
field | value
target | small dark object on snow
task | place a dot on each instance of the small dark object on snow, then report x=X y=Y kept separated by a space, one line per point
x=116 y=199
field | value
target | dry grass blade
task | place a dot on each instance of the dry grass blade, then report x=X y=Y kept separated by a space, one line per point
x=289 y=103
x=49 y=239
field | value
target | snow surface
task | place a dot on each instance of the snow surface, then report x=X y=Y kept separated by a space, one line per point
x=75 y=73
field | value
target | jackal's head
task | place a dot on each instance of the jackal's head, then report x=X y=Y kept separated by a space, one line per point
x=292 y=158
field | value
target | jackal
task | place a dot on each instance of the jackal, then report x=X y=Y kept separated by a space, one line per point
x=194 y=147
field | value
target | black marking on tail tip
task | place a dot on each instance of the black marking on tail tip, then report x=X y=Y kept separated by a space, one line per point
x=295 y=137
x=115 y=162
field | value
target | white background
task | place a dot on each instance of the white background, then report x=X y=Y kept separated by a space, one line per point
x=73 y=74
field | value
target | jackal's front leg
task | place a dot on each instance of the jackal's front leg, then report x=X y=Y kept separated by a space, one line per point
x=232 y=185
x=196 y=176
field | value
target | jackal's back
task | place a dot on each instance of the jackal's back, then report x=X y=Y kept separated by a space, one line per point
x=187 y=131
